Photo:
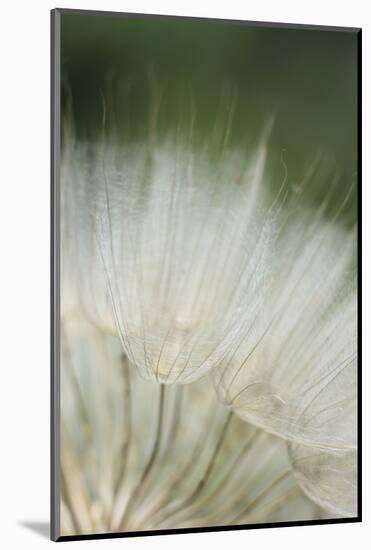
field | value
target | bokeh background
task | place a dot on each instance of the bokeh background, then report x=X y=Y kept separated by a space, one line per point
x=306 y=78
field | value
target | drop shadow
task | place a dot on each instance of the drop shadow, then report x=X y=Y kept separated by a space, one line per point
x=42 y=528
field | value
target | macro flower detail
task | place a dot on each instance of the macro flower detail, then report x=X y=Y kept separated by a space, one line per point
x=296 y=376
x=198 y=273
x=184 y=245
x=303 y=354
x=205 y=371
x=84 y=292
x=328 y=477
x=210 y=467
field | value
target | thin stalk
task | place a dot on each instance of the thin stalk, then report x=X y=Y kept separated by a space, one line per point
x=201 y=484
x=152 y=458
x=125 y=446
x=260 y=496
x=156 y=515
x=223 y=482
x=168 y=451
x=271 y=506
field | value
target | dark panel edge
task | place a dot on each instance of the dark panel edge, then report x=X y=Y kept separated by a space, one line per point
x=55 y=277
x=294 y=26
x=359 y=265
x=305 y=523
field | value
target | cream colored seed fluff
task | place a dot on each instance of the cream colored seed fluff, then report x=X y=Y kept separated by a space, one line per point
x=109 y=424
x=198 y=269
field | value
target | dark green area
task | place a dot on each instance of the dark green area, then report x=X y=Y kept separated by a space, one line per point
x=308 y=78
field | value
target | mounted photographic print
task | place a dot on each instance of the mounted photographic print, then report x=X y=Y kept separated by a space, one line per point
x=205 y=185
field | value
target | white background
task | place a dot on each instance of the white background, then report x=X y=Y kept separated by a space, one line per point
x=24 y=257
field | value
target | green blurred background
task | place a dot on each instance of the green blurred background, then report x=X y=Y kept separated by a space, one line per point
x=308 y=78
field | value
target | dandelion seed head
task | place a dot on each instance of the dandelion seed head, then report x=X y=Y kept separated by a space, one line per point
x=249 y=480
x=328 y=477
x=185 y=257
x=304 y=338
x=177 y=265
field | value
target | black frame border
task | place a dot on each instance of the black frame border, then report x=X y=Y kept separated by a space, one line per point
x=55 y=150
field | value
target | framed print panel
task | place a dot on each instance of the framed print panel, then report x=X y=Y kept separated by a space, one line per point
x=205 y=191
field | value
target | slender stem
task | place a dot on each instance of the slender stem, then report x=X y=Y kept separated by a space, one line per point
x=262 y=512
x=201 y=484
x=261 y=495
x=168 y=452
x=125 y=446
x=176 y=416
x=141 y=483
x=228 y=473
x=159 y=511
